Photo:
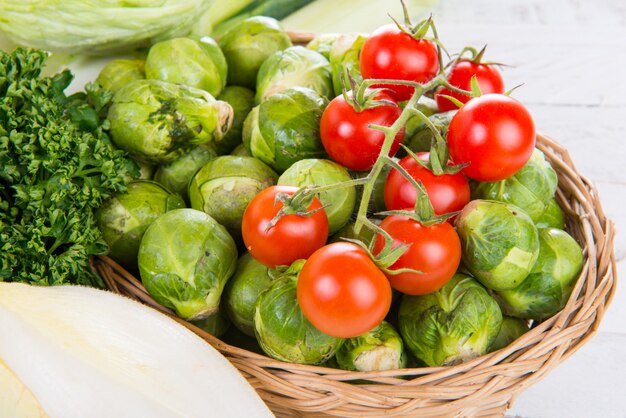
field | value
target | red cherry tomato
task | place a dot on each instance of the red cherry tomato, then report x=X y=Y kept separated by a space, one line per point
x=488 y=77
x=447 y=192
x=392 y=54
x=495 y=134
x=293 y=237
x=342 y=292
x=435 y=251
x=346 y=134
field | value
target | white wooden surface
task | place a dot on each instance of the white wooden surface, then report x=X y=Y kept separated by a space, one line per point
x=570 y=55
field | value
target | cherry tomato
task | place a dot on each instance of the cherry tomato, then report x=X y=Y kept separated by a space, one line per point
x=435 y=251
x=488 y=77
x=392 y=54
x=293 y=237
x=346 y=134
x=447 y=192
x=342 y=292
x=495 y=134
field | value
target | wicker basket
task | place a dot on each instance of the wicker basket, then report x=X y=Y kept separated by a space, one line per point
x=485 y=386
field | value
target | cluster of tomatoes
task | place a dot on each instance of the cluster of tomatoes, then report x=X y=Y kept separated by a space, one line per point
x=341 y=289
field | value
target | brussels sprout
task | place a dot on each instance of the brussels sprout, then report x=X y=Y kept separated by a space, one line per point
x=552 y=217
x=418 y=136
x=199 y=64
x=338 y=203
x=548 y=286
x=282 y=330
x=285 y=128
x=241 y=100
x=117 y=73
x=378 y=349
x=215 y=324
x=530 y=189
x=295 y=66
x=454 y=324
x=243 y=289
x=177 y=174
x=124 y=218
x=500 y=243
x=241 y=151
x=365 y=235
x=224 y=187
x=323 y=43
x=247 y=45
x=344 y=54
x=156 y=122
x=511 y=330
x=185 y=259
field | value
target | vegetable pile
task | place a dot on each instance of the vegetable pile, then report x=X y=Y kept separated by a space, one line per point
x=355 y=203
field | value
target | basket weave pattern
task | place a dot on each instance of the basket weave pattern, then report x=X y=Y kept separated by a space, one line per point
x=482 y=387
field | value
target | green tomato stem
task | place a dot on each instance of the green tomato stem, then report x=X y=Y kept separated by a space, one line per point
x=455 y=89
x=440 y=149
x=341 y=185
x=390 y=134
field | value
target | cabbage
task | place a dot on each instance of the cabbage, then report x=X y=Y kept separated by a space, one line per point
x=97 y=26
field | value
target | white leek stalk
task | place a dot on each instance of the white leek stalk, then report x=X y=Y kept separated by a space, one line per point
x=331 y=16
x=72 y=351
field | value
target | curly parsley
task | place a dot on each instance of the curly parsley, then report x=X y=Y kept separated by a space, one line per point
x=57 y=166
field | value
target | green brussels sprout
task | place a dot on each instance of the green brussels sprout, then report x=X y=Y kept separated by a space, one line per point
x=295 y=66
x=282 y=330
x=338 y=203
x=247 y=45
x=241 y=100
x=285 y=128
x=500 y=243
x=117 y=73
x=177 y=174
x=552 y=217
x=378 y=349
x=198 y=64
x=344 y=55
x=185 y=259
x=215 y=324
x=457 y=323
x=323 y=43
x=365 y=235
x=124 y=218
x=530 y=189
x=241 y=151
x=547 y=288
x=156 y=122
x=418 y=136
x=242 y=291
x=511 y=330
x=224 y=186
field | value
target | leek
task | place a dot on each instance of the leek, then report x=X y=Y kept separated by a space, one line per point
x=330 y=16
x=83 y=352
